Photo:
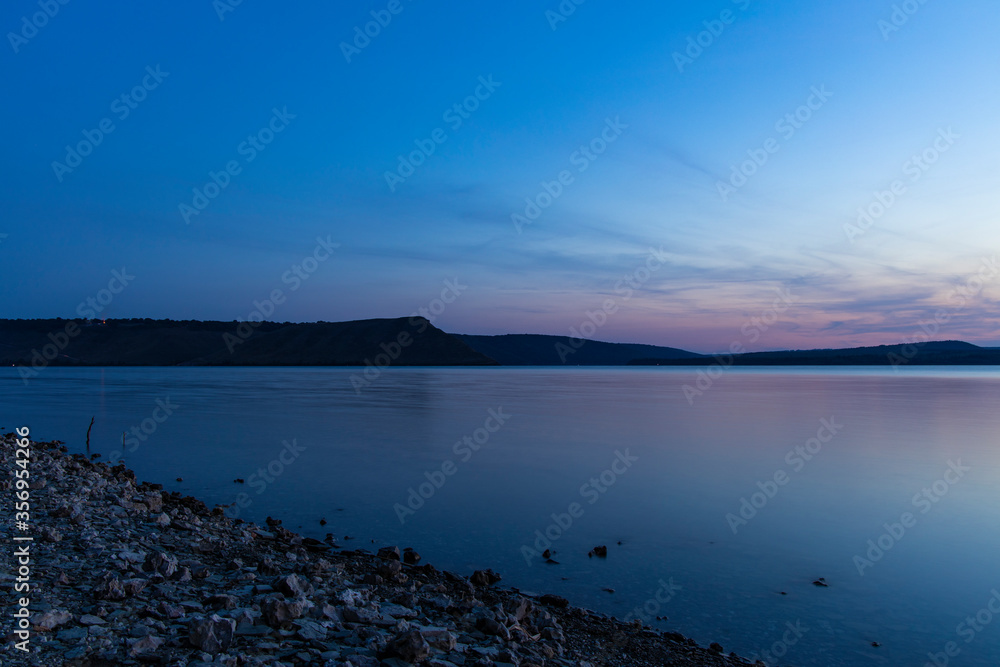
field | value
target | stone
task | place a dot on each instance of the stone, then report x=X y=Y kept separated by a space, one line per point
x=398 y=611
x=410 y=646
x=389 y=553
x=309 y=630
x=439 y=638
x=143 y=645
x=484 y=578
x=51 y=620
x=213 y=634
x=554 y=601
x=221 y=601
x=160 y=563
x=390 y=569
x=50 y=534
x=291 y=586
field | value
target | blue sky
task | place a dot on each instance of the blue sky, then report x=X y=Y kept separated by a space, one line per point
x=890 y=91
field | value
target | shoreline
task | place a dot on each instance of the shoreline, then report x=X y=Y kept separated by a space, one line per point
x=122 y=572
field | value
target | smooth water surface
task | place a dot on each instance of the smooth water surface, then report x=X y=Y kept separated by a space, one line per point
x=679 y=472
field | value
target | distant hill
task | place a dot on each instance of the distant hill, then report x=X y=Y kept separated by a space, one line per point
x=539 y=350
x=398 y=342
x=192 y=343
x=938 y=353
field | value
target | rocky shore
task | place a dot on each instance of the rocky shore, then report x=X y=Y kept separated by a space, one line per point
x=124 y=573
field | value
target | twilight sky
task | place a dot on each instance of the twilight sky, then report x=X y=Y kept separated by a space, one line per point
x=414 y=148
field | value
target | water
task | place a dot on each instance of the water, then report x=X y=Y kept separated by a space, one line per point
x=354 y=457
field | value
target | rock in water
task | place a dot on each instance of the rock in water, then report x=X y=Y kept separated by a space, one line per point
x=484 y=578
x=389 y=553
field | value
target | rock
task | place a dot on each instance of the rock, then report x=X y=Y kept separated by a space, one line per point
x=71 y=634
x=484 y=578
x=410 y=646
x=821 y=583
x=389 y=553
x=221 y=601
x=600 y=552
x=212 y=634
x=89 y=619
x=398 y=611
x=109 y=588
x=352 y=598
x=390 y=569
x=134 y=586
x=439 y=638
x=309 y=630
x=715 y=647
x=51 y=620
x=277 y=612
x=154 y=501
x=171 y=610
x=411 y=557
x=143 y=645
x=554 y=601
x=291 y=586
x=160 y=563
x=50 y=534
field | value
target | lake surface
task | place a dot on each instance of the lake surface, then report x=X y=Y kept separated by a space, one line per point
x=669 y=479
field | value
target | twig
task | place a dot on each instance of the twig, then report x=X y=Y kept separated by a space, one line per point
x=88 y=435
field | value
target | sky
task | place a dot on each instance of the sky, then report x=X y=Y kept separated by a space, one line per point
x=693 y=174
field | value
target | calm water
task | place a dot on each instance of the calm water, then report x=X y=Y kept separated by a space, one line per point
x=690 y=465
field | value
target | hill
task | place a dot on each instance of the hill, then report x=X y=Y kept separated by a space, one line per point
x=402 y=341
x=937 y=353
x=539 y=350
